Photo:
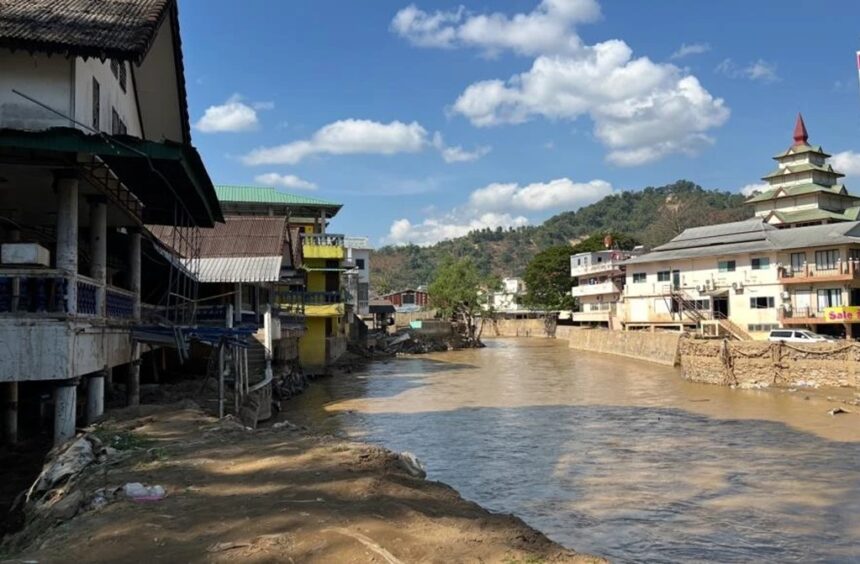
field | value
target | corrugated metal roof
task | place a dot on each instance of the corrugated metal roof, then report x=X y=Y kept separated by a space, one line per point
x=237 y=269
x=266 y=195
x=239 y=236
x=771 y=239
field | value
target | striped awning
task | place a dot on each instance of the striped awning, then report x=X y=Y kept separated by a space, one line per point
x=237 y=269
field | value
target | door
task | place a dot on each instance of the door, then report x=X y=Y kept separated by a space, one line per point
x=721 y=307
x=676 y=279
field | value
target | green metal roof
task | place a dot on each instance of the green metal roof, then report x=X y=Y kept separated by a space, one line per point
x=801 y=149
x=266 y=195
x=802 y=216
x=800 y=190
x=804 y=167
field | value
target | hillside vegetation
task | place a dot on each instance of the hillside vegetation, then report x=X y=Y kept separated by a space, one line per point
x=651 y=216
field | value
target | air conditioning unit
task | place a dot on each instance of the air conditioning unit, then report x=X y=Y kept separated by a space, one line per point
x=786 y=295
x=25 y=254
x=738 y=286
x=709 y=284
x=700 y=288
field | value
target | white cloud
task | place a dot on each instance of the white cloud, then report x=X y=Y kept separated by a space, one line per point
x=230 y=117
x=642 y=111
x=759 y=70
x=457 y=154
x=847 y=162
x=498 y=205
x=751 y=189
x=561 y=193
x=344 y=137
x=285 y=181
x=435 y=229
x=546 y=29
x=692 y=49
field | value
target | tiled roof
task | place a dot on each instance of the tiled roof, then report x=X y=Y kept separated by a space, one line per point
x=266 y=195
x=801 y=149
x=118 y=29
x=237 y=269
x=815 y=214
x=802 y=167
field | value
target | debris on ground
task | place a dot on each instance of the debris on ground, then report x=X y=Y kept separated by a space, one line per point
x=136 y=491
x=837 y=411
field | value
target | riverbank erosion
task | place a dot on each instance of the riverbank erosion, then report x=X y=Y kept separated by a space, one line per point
x=280 y=494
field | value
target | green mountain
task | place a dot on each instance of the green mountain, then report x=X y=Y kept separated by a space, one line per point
x=651 y=216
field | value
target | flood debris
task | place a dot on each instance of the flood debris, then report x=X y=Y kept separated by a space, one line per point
x=837 y=411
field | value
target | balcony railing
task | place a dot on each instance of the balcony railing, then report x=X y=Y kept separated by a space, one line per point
x=44 y=291
x=595 y=268
x=840 y=270
x=295 y=299
x=322 y=240
x=608 y=287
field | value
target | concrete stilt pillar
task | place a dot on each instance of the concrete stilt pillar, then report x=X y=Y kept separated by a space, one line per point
x=67 y=237
x=10 y=414
x=15 y=237
x=95 y=396
x=134 y=376
x=98 y=248
x=237 y=304
x=65 y=410
x=134 y=269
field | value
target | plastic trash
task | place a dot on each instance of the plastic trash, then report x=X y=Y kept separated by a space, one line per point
x=136 y=491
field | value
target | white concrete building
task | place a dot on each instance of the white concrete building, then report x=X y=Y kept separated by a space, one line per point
x=358 y=251
x=94 y=145
x=508 y=299
x=598 y=283
x=794 y=264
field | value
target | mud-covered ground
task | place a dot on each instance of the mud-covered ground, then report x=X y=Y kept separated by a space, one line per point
x=271 y=495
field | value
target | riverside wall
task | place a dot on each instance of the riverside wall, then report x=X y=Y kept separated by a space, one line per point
x=762 y=363
x=661 y=348
x=538 y=327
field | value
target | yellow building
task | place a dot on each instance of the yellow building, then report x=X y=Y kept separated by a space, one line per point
x=311 y=273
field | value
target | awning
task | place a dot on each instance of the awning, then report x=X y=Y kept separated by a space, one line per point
x=159 y=174
x=237 y=269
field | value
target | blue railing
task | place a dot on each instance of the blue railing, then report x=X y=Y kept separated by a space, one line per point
x=119 y=304
x=87 y=298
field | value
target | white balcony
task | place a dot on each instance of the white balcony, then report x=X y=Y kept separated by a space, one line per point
x=596 y=268
x=602 y=288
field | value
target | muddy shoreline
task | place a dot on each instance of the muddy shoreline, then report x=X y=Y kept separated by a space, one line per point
x=282 y=494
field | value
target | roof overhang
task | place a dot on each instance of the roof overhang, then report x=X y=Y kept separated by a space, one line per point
x=159 y=174
x=232 y=270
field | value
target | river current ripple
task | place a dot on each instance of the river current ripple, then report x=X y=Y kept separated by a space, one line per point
x=614 y=457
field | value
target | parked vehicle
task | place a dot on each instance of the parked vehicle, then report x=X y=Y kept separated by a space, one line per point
x=797 y=336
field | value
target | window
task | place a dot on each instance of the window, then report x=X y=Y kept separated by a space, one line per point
x=408 y=298
x=359 y=263
x=97 y=106
x=760 y=263
x=123 y=77
x=117 y=126
x=726 y=266
x=798 y=261
x=767 y=327
x=854 y=254
x=826 y=260
x=781 y=334
x=639 y=277
x=761 y=303
x=599 y=259
x=831 y=297
x=663 y=276
x=702 y=305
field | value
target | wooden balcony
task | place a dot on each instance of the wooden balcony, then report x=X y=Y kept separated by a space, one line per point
x=843 y=271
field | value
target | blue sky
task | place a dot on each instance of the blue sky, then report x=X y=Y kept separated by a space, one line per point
x=428 y=119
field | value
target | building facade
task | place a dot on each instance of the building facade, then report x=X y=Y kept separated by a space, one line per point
x=312 y=278
x=598 y=284
x=358 y=251
x=94 y=145
x=793 y=264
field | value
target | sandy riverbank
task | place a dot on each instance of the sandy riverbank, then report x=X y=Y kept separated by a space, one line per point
x=271 y=495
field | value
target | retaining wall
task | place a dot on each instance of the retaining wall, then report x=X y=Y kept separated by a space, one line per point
x=758 y=363
x=520 y=328
x=661 y=348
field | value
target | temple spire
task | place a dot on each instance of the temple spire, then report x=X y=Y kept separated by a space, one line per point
x=800 y=135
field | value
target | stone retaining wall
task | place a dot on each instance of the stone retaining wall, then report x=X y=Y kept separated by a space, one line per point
x=519 y=328
x=661 y=348
x=761 y=363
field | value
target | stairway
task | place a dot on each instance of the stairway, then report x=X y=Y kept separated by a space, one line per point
x=686 y=305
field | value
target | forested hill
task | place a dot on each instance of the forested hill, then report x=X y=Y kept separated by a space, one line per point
x=652 y=216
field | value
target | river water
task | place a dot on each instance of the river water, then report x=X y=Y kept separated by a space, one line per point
x=612 y=456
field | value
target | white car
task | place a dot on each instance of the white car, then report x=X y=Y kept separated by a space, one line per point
x=797 y=336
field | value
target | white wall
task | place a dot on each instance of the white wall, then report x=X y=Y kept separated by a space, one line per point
x=112 y=96
x=47 y=79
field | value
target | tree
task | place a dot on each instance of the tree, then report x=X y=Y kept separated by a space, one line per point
x=456 y=293
x=548 y=279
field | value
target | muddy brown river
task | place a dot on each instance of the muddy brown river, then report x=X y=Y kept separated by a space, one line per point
x=612 y=456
